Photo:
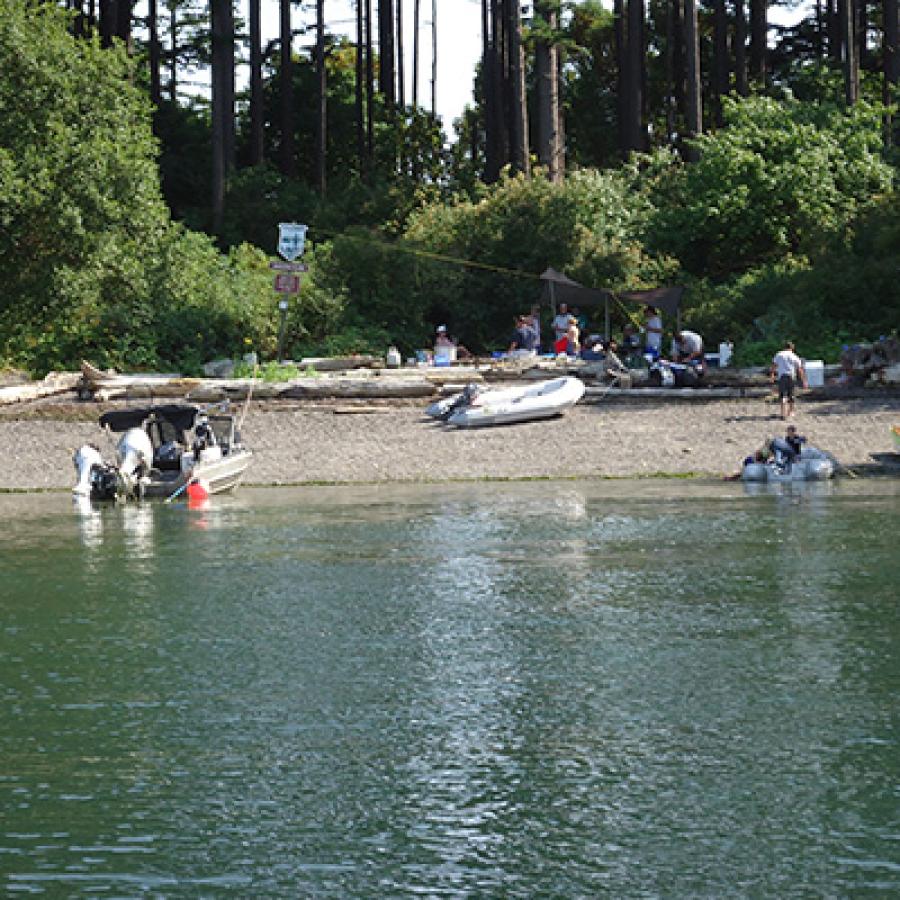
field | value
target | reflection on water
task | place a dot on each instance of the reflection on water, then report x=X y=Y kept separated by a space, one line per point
x=499 y=690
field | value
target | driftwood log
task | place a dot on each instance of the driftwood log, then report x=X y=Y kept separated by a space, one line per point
x=864 y=359
x=54 y=383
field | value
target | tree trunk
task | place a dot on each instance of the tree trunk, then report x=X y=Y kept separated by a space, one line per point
x=518 y=108
x=256 y=85
x=720 y=60
x=153 y=25
x=417 y=12
x=434 y=57
x=370 y=91
x=623 y=84
x=358 y=92
x=401 y=63
x=546 y=76
x=741 y=84
x=386 y=52
x=286 y=84
x=633 y=102
x=694 y=100
x=489 y=109
x=321 y=99
x=759 y=30
x=219 y=23
x=124 y=9
x=851 y=66
x=891 y=52
x=107 y=11
x=834 y=31
x=173 y=53
x=862 y=34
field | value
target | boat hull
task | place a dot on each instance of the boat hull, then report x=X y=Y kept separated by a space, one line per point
x=219 y=476
x=813 y=465
x=540 y=400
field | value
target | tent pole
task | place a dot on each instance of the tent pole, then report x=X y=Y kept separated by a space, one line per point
x=552 y=316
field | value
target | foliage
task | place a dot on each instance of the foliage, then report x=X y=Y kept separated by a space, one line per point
x=91 y=263
x=774 y=182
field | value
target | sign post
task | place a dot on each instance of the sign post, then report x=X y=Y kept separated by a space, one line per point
x=291 y=244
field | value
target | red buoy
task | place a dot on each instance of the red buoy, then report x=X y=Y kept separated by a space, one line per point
x=198 y=490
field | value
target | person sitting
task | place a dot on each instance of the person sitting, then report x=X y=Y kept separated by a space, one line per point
x=787 y=450
x=524 y=338
x=613 y=362
x=631 y=340
x=444 y=346
x=689 y=349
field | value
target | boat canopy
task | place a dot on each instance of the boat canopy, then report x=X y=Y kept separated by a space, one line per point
x=179 y=416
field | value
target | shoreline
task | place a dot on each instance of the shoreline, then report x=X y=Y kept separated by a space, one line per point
x=313 y=444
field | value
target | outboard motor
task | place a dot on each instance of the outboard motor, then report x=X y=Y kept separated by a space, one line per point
x=96 y=479
x=86 y=459
x=466 y=398
x=135 y=453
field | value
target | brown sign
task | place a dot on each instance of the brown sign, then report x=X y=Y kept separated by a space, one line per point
x=287 y=284
x=280 y=266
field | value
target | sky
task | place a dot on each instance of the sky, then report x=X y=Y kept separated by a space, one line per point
x=458 y=50
x=458 y=35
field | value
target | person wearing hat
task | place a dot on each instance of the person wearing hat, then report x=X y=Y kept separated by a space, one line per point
x=442 y=339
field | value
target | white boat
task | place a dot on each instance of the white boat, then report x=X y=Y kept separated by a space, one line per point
x=162 y=450
x=811 y=465
x=477 y=407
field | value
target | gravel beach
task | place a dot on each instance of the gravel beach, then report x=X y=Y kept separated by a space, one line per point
x=295 y=443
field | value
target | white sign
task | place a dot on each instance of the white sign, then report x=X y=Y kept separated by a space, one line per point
x=291 y=240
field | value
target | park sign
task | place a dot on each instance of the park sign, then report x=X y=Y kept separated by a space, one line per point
x=291 y=240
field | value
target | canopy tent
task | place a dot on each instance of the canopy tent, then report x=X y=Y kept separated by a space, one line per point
x=559 y=288
x=666 y=299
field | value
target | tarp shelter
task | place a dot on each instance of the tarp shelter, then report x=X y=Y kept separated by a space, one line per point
x=559 y=288
x=666 y=299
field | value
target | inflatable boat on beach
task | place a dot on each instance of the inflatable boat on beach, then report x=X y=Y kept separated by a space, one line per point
x=162 y=451
x=811 y=465
x=476 y=407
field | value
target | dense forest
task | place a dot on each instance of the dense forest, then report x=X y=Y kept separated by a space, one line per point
x=651 y=143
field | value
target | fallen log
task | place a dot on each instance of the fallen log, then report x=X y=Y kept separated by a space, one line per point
x=380 y=388
x=54 y=383
x=338 y=363
x=701 y=394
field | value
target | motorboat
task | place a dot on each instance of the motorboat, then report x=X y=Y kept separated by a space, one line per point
x=161 y=451
x=475 y=406
x=811 y=464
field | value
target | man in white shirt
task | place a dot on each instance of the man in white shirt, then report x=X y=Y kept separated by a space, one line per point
x=787 y=368
x=560 y=323
x=688 y=347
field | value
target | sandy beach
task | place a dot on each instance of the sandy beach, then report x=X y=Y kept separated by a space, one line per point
x=297 y=443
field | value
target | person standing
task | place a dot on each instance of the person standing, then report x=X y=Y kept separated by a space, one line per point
x=536 y=325
x=573 y=337
x=787 y=369
x=654 y=329
x=560 y=323
x=523 y=337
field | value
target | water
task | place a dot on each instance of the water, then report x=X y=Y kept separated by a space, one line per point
x=513 y=690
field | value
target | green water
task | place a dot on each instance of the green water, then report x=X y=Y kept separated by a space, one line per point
x=514 y=690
